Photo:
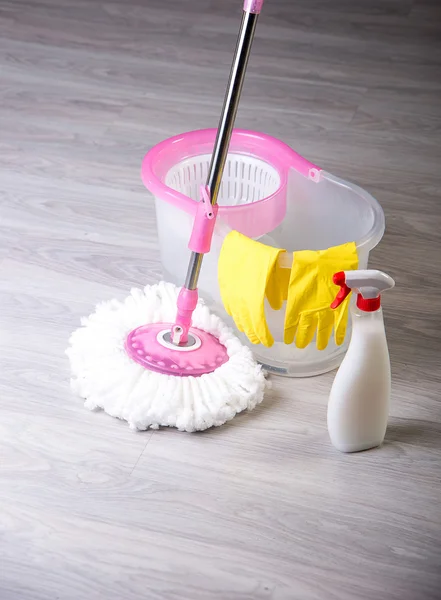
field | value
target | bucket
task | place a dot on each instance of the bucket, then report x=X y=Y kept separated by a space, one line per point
x=269 y=193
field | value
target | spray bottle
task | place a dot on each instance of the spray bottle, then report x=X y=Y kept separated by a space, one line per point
x=358 y=405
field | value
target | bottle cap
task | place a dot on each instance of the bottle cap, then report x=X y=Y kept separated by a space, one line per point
x=367 y=283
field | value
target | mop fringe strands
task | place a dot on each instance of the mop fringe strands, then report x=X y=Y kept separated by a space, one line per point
x=109 y=379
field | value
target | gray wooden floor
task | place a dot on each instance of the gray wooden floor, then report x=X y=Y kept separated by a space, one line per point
x=264 y=507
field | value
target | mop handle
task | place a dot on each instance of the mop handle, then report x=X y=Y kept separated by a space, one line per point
x=253 y=6
x=226 y=123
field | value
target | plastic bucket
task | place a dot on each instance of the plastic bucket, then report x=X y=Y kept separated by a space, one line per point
x=268 y=192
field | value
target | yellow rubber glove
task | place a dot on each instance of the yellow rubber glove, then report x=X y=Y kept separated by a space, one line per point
x=247 y=271
x=311 y=292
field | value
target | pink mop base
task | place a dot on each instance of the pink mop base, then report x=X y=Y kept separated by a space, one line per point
x=145 y=346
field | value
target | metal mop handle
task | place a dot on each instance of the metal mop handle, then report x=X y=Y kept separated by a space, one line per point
x=206 y=211
x=251 y=9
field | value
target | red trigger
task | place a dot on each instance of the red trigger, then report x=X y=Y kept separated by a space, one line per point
x=340 y=279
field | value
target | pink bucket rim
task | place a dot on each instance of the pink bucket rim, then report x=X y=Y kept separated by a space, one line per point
x=279 y=155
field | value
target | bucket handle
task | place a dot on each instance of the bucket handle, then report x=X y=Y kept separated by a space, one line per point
x=302 y=165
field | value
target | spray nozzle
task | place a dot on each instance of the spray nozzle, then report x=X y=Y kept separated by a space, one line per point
x=369 y=284
x=340 y=279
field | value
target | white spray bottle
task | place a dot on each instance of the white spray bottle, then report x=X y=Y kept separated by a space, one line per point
x=358 y=405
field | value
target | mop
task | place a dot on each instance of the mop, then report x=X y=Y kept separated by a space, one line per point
x=160 y=358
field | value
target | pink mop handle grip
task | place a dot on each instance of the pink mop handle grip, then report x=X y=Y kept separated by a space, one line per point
x=253 y=6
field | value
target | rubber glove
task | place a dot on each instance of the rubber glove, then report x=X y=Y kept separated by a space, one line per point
x=311 y=292
x=247 y=271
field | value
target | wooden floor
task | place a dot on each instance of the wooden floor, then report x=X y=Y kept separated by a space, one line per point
x=262 y=508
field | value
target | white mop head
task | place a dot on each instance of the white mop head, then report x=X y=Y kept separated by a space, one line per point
x=107 y=378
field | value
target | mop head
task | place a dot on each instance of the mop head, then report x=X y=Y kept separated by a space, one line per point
x=108 y=379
